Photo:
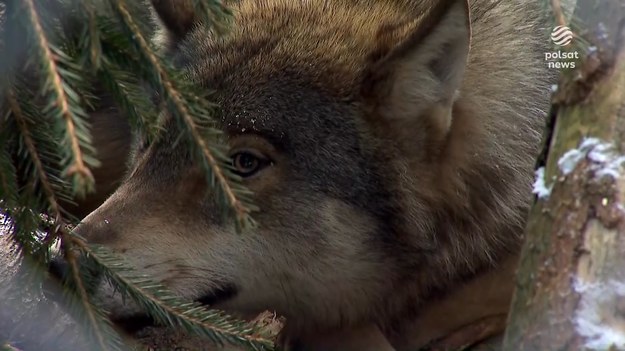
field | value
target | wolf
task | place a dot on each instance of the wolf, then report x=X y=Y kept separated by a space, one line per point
x=389 y=144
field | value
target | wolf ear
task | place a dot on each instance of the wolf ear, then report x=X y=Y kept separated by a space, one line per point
x=177 y=16
x=419 y=67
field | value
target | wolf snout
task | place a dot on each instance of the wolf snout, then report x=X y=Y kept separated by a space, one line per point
x=97 y=229
x=94 y=231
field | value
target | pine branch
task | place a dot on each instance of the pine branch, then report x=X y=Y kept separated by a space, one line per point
x=100 y=326
x=19 y=117
x=215 y=14
x=125 y=89
x=91 y=41
x=167 y=309
x=95 y=317
x=557 y=12
x=59 y=71
x=106 y=338
x=22 y=233
x=211 y=157
x=113 y=51
x=41 y=139
x=8 y=37
x=8 y=174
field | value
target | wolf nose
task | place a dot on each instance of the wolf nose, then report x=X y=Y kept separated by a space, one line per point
x=97 y=229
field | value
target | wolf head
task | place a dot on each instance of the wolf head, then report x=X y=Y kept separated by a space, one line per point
x=389 y=146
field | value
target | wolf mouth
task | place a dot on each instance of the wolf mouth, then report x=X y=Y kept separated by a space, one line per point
x=137 y=322
x=221 y=294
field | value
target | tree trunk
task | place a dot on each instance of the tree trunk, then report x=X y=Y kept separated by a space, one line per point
x=570 y=291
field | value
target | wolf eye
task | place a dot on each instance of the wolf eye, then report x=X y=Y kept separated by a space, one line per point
x=246 y=163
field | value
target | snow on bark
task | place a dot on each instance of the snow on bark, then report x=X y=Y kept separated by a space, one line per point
x=594 y=318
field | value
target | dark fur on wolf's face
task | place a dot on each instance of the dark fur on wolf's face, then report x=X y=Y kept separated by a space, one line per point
x=324 y=209
x=378 y=182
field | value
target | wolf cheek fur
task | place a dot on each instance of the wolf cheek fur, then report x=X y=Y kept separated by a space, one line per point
x=402 y=136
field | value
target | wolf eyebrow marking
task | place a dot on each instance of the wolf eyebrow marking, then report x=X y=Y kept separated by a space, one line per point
x=279 y=140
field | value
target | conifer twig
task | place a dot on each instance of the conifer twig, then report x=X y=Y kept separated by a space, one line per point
x=91 y=35
x=57 y=89
x=168 y=309
x=178 y=102
x=32 y=151
x=70 y=53
x=8 y=183
x=556 y=6
x=8 y=176
x=133 y=102
x=57 y=221
x=90 y=311
x=218 y=23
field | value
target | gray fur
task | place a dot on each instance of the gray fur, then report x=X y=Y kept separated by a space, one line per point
x=398 y=173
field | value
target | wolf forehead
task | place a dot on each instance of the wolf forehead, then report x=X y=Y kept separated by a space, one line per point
x=291 y=73
x=325 y=45
x=291 y=67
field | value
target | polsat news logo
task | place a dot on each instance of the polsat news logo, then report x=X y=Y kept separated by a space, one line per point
x=561 y=36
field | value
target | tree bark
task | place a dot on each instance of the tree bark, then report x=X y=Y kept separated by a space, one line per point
x=570 y=291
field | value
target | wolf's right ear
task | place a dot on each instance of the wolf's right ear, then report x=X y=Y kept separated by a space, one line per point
x=177 y=16
x=417 y=68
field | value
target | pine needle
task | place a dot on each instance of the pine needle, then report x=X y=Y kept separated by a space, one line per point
x=168 y=309
x=33 y=153
x=91 y=36
x=43 y=144
x=209 y=155
x=125 y=88
x=214 y=14
x=100 y=326
x=8 y=174
x=64 y=99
